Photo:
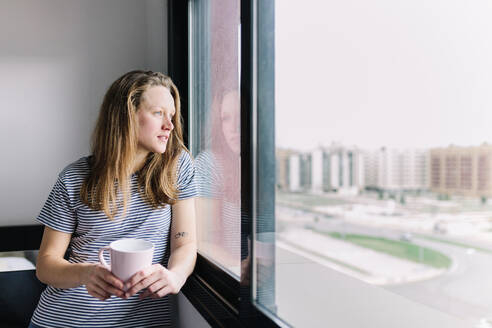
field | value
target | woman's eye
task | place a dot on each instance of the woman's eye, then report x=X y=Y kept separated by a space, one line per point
x=158 y=113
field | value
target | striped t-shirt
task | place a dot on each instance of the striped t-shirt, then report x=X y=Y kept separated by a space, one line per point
x=91 y=230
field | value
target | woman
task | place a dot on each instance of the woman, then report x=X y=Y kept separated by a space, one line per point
x=138 y=183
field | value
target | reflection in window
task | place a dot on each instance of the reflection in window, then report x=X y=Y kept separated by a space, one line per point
x=216 y=129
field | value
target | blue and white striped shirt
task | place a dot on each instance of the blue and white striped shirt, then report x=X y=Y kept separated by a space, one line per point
x=91 y=230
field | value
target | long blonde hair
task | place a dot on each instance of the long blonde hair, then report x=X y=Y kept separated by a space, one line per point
x=114 y=148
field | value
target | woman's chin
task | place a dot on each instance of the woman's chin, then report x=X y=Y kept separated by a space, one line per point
x=159 y=149
x=234 y=147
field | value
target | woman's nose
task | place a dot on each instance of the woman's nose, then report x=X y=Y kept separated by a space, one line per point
x=167 y=123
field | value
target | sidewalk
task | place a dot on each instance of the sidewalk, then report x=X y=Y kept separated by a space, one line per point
x=365 y=264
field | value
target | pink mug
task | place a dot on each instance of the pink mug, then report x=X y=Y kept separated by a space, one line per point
x=128 y=256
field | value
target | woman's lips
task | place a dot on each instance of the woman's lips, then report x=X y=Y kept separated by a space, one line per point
x=163 y=138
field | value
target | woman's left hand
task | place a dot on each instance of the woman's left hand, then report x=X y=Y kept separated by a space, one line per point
x=156 y=280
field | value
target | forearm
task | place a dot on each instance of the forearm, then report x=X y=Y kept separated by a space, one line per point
x=60 y=273
x=182 y=260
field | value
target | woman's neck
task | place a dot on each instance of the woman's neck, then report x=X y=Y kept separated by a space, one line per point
x=139 y=161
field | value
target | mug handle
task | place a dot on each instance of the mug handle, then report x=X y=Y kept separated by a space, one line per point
x=101 y=257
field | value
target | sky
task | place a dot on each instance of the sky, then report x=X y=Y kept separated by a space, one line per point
x=392 y=73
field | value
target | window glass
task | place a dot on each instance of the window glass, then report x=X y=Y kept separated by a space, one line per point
x=215 y=129
x=383 y=163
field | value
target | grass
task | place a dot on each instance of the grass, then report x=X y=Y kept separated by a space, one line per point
x=455 y=243
x=403 y=250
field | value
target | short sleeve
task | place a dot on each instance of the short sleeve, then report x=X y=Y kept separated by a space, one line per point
x=186 y=177
x=207 y=175
x=57 y=213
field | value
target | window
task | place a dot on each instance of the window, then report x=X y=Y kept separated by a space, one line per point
x=215 y=132
x=351 y=198
x=382 y=112
x=222 y=97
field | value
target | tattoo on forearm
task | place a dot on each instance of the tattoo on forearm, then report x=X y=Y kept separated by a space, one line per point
x=180 y=234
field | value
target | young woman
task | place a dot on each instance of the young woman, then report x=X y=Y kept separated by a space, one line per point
x=138 y=183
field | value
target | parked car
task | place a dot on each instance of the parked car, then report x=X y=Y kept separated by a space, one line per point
x=406 y=236
x=439 y=228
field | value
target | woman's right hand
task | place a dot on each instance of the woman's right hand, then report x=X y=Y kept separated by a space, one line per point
x=100 y=282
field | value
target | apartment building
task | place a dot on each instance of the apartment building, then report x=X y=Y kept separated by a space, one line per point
x=394 y=169
x=462 y=170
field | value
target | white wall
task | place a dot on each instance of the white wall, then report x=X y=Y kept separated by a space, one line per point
x=57 y=58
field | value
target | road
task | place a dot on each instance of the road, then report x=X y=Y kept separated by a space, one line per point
x=465 y=291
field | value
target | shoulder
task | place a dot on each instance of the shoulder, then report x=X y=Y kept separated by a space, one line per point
x=184 y=157
x=185 y=162
x=205 y=158
x=75 y=172
x=206 y=164
x=186 y=176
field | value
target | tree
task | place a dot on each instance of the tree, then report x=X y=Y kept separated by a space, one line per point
x=402 y=199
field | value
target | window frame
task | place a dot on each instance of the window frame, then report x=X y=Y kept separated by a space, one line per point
x=221 y=299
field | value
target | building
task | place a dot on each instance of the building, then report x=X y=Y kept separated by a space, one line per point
x=305 y=171
x=337 y=169
x=325 y=169
x=294 y=172
x=462 y=170
x=282 y=168
x=391 y=169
